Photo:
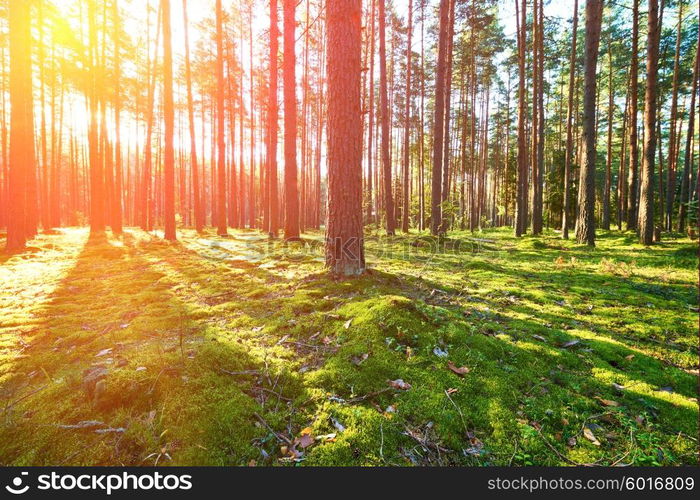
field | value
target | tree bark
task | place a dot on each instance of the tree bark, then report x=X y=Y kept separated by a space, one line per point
x=569 y=128
x=291 y=191
x=221 y=229
x=384 y=112
x=272 y=121
x=521 y=183
x=633 y=142
x=169 y=118
x=605 y=223
x=646 y=193
x=344 y=240
x=22 y=159
x=438 y=123
x=405 y=213
x=688 y=158
x=585 y=222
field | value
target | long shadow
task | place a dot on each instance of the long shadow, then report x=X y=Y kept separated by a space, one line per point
x=119 y=360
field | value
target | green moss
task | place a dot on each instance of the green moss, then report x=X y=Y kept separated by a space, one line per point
x=222 y=349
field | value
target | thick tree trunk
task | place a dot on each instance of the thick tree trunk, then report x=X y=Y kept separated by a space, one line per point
x=646 y=194
x=521 y=184
x=370 y=129
x=688 y=159
x=438 y=123
x=97 y=195
x=116 y=219
x=272 y=120
x=384 y=112
x=605 y=223
x=569 y=128
x=585 y=222
x=672 y=143
x=405 y=212
x=169 y=118
x=22 y=159
x=291 y=191
x=633 y=142
x=537 y=120
x=221 y=229
x=344 y=240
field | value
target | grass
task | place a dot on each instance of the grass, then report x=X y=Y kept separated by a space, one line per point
x=242 y=351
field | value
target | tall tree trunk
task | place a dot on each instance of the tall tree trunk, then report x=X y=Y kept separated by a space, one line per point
x=646 y=193
x=521 y=184
x=537 y=122
x=221 y=229
x=169 y=118
x=688 y=159
x=405 y=213
x=22 y=159
x=448 y=110
x=633 y=141
x=569 y=128
x=439 y=121
x=585 y=222
x=97 y=195
x=384 y=112
x=605 y=223
x=672 y=143
x=197 y=198
x=147 y=205
x=272 y=121
x=344 y=240
x=291 y=191
x=370 y=126
x=116 y=221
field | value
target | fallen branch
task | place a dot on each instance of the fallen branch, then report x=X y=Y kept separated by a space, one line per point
x=243 y=372
x=368 y=395
x=279 y=436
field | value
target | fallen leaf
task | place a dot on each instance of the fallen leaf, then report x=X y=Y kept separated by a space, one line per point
x=305 y=440
x=571 y=441
x=327 y=340
x=570 y=343
x=400 y=384
x=564 y=421
x=452 y=390
x=103 y=352
x=607 y=402
x=618 y=387
x=347 y=324
x=461 y=371
x=630 y=357
x=539 y=337
x=358 y=360
x=588 y=434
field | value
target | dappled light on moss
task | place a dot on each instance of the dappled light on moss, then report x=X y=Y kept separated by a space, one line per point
x=208 y=350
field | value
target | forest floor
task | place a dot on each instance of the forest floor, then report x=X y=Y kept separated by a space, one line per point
x=240 y=351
